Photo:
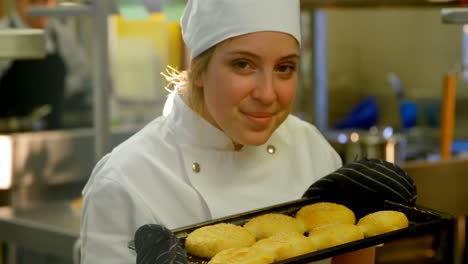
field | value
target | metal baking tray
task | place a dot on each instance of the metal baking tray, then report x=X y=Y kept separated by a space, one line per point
x=421 y=221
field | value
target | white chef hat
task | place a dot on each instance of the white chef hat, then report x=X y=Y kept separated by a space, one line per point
x=208 y=22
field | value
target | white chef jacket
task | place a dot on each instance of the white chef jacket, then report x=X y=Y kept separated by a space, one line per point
x=180 y=170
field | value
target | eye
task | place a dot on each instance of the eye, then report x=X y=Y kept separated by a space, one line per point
x=242 y=66
x=287 y=69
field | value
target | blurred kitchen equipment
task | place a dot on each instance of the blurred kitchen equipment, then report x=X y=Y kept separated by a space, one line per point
x=451 y=112
x=408 y=109
x=22 y=44
x=132 y=9
x=140 y=51
x=173 y=9
x=431 y=110
x=98 y=11
x=396 y=85
x=448 y=116
x=460 y=148
x=30 y=122
x=408 y=114
x=373 y=143
x=362 y=116
x=458 y=15
x=50 y=165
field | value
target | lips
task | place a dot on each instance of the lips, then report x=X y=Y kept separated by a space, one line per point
x=259 y=114
x=259 y=118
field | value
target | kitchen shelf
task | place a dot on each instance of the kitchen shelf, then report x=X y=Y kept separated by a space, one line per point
x=310 y=4
x=22 y=44
x=98 y=10
x=455 y=15
x=73 y=10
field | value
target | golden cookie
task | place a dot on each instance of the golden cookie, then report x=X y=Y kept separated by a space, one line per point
x=325 y=213
x=331 y=235
x=242 y=256
x=269 y=224
x=382 y=222
x=286 y=245
x=207 y=241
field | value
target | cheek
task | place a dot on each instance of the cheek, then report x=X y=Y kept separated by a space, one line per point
x=286 y=94
x=228 y=89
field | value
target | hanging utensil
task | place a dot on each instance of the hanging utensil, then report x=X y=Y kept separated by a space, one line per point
x=396 y=85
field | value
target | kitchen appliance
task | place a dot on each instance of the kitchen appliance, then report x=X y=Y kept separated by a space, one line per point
x=382 y=143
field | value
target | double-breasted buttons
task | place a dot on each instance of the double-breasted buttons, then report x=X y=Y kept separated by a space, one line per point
x=271 y=149
x=196 y=167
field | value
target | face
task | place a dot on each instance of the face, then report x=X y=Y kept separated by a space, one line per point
x=250 y=84
x=33 y=22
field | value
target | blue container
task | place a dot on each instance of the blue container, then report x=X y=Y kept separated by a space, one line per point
x=364 y=115
x=408 y=114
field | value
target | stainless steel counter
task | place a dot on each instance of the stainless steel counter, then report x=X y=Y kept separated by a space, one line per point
x=50 y=228
x=50 y=165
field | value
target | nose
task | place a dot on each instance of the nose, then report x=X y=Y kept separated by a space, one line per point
x=264 y=90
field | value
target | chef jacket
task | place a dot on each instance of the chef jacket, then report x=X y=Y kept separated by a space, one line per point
x=180 y=170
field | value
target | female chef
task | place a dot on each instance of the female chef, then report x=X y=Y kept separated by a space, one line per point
x=227 y=145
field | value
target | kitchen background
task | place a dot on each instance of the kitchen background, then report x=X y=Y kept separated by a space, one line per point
x=362 y=45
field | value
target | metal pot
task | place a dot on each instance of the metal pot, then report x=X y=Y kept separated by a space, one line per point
x=373 y=143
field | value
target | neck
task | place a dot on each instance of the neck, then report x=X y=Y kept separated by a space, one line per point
x=207 y=117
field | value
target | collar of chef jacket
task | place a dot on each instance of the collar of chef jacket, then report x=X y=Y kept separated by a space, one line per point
x=232 y=181
x=192 y=129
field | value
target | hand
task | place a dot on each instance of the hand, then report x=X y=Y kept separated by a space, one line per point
x=366 y=182
x=155 y=244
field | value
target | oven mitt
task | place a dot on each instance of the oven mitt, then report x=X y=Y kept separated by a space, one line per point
x=366 y=182
x=155 y=244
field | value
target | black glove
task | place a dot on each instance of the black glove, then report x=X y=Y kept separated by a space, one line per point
x=155 y=244
x=367 y=182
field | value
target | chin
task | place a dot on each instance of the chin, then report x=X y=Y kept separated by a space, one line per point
x=256 y=138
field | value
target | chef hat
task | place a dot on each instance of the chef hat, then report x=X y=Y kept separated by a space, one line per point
x=208 y=22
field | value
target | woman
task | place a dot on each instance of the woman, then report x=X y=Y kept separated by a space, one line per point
x=228 y=144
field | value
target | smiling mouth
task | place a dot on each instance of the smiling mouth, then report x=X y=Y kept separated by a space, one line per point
x=259 y=115
x=259 y=118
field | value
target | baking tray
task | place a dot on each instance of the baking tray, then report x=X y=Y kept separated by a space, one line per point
x=421 y=221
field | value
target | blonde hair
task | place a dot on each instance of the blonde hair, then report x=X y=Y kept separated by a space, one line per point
x=184 y=82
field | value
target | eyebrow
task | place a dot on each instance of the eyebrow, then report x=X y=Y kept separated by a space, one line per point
x=250 y=54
